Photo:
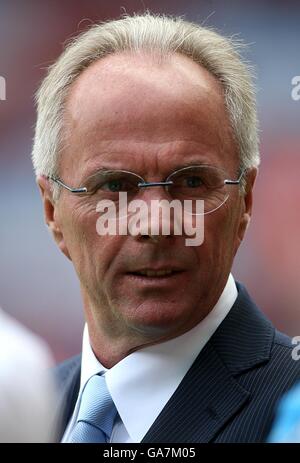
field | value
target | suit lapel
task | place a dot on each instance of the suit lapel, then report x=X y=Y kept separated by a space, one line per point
x=209 y=395
x=68 y=379
x=203 y=402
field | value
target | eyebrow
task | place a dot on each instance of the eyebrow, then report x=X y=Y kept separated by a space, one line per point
x=101 y=170
x=192 y=163
x=108 y=170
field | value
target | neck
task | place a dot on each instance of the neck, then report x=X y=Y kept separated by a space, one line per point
x=110 y=350
x=112 y=339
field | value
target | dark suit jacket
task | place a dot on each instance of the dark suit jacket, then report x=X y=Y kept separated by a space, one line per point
x=230 y=392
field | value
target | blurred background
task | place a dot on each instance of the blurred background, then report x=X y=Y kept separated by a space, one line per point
x=37 y=284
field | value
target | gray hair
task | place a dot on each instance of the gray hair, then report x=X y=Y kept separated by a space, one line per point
x=156 y=34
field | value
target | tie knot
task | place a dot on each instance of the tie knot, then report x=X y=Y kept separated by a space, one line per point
x=97 y=407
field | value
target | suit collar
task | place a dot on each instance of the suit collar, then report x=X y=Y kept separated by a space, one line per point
x=210 y=393
x=245 y=337
x=207 y=397
x=68 y=381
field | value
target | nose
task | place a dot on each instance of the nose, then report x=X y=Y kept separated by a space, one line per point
x=156 y=217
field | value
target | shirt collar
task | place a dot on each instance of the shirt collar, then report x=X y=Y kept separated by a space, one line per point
x=142 y=383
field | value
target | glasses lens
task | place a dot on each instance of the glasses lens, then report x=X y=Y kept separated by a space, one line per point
x=108 y=184
x=195 y=184
x=116 y=186
x=200 y=183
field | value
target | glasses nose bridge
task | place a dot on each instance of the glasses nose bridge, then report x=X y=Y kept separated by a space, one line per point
x=145 y=184
x=159 y=188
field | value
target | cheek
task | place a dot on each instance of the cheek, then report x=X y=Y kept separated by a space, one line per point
x=93 y=254
x=230 y=230
x=78 y=225
x=220 y=235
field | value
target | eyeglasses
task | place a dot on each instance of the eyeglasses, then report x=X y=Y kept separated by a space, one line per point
x=202 y=182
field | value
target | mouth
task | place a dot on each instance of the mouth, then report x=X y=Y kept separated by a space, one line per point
x=151 y=273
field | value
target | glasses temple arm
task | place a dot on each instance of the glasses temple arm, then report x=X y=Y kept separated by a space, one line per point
x=235 y=182
x=72 y=190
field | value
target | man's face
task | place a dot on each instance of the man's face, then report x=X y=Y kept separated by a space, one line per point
x=128 y=112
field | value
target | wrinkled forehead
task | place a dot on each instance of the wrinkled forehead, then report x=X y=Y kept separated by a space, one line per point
x=126 y=97
x=122 y=82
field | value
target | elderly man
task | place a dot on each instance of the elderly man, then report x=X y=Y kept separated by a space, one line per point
x=157 y=109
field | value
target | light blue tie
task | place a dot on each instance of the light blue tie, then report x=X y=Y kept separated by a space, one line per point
x=96 y=415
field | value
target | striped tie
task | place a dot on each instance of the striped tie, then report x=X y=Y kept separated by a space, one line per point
x=96 y=415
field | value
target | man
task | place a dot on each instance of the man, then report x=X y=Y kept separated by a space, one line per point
x=174 y=350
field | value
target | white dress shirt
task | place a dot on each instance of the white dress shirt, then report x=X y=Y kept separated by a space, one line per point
x=142 y=383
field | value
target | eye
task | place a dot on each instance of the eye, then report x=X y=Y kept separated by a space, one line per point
x=193 y=181
x=116 y=182
x=113 y=186
x=189 y=180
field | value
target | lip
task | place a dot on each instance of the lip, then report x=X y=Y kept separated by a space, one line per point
x=172 y=278
x=157 y=268
x=156 y=273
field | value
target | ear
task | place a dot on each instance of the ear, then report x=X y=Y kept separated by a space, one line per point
x=51 y=213
x=247 y=202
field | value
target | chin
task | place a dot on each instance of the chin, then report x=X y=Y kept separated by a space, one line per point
x=155 y=325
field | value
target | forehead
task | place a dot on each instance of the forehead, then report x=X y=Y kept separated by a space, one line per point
x=135 y=100
x=123 y=82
